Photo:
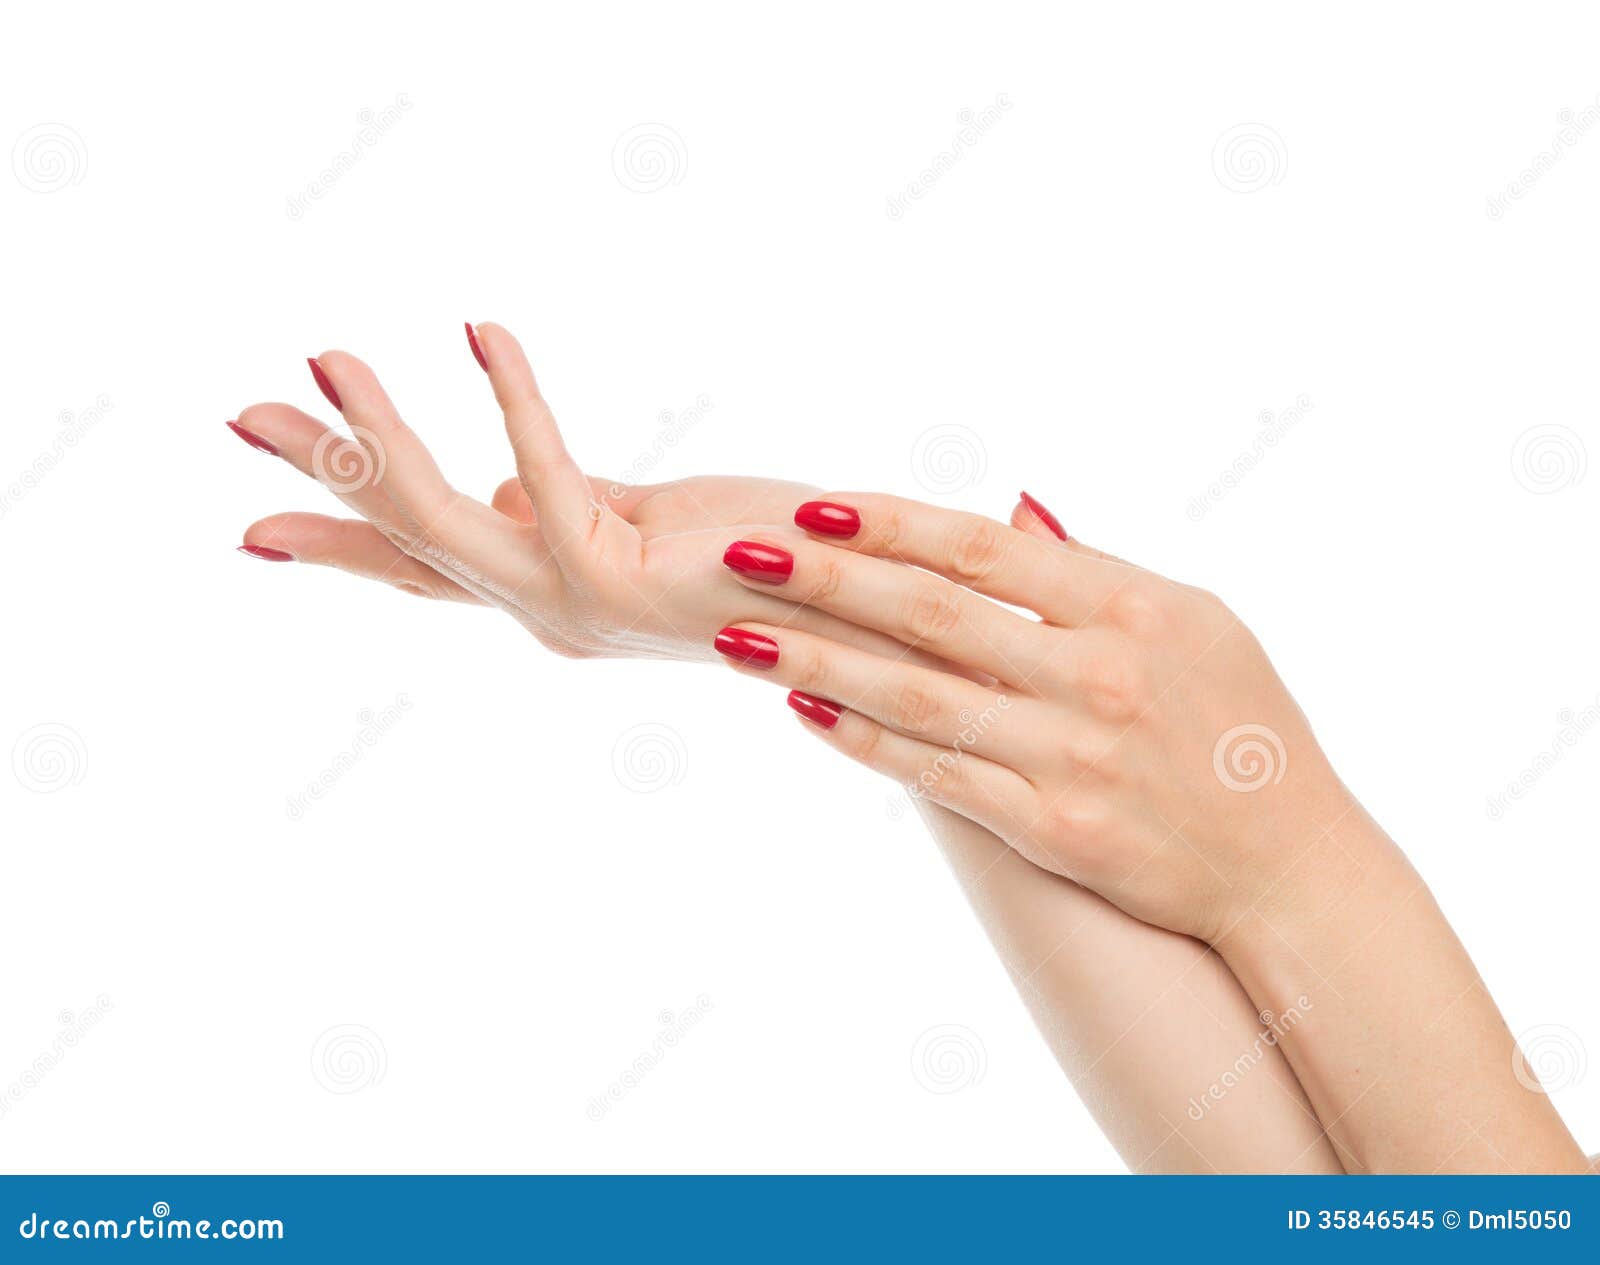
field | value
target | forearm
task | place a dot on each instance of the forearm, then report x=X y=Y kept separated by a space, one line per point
x=1157 y=1036
x=1396 y=1040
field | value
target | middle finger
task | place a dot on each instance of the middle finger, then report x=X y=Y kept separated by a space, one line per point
x=918 y=609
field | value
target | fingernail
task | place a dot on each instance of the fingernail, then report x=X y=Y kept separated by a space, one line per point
x=747 y=647
x=764 y=563
x=265 y=554
x=819 y=711
x=472 y=342
x=253 y=439
x=1045 y=516
x=827 y=519
x=324 y=385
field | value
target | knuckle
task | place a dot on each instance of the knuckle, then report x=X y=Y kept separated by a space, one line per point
x=888 y=529
x=865 y=747
x=915 y=709
x=949 y=780
x=929 y=614
x=1139 y=607
x=1077 y=822
x=811 y=672
x=1114 y=686
x=829 y=576
x=975 y=550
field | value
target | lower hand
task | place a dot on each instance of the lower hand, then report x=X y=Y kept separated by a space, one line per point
x=589 y=568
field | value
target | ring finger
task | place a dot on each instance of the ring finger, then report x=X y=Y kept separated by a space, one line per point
x=934 y=706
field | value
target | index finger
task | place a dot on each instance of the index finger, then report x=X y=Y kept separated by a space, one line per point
x=1064 y=585
x=559 y=491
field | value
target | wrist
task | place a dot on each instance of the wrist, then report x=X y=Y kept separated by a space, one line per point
x=1334 y=877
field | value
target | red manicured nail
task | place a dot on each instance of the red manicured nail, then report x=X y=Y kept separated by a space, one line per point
x=827 y=519
x=324 y=385
x=253 y=439
x=819 y=711
x=765 y=563
x=747 y=647
x=265 y=554
x=1045 y=516
x=472 y=342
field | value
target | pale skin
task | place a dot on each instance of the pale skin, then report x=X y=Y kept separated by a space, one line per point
x=1140 y=744
x=1143 y=1019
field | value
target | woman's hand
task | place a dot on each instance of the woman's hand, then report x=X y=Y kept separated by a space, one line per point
x=1137 y=740
x=589 y=568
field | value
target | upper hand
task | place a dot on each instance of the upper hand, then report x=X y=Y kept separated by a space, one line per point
x=1137 y=740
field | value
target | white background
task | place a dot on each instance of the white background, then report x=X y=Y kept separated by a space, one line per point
x=1090 y=291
